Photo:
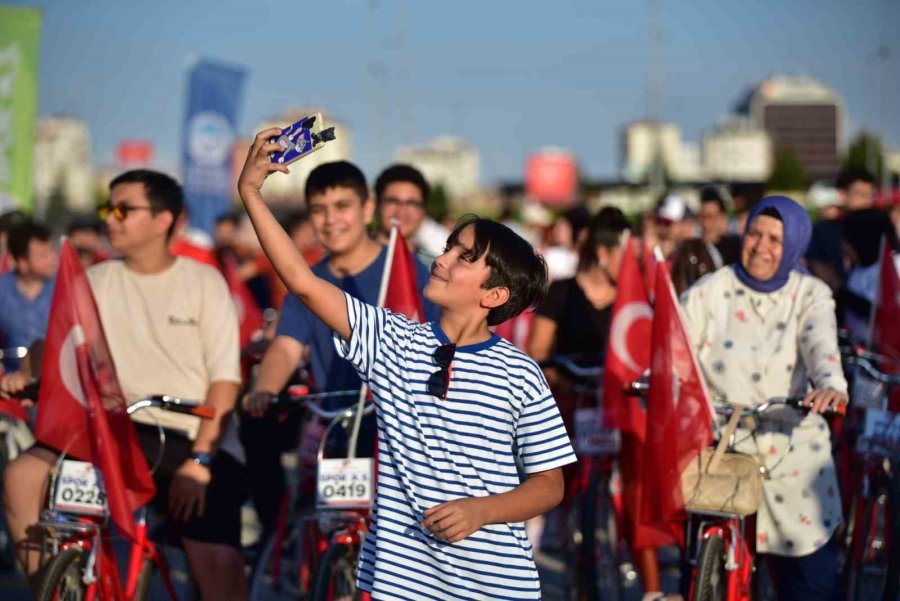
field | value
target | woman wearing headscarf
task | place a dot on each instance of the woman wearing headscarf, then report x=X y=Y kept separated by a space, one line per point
x=764 y=328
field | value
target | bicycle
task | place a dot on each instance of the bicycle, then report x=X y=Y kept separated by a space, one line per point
x=594 y=517
x=724 y=563
x=289 y=565
x=76 y=533
x=872 y=569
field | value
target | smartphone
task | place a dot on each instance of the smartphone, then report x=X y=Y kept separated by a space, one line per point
x=301 y=138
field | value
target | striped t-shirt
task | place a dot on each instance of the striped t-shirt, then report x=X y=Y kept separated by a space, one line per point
x=498 y=411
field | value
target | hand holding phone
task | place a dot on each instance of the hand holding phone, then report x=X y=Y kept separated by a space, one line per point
x=301 y=138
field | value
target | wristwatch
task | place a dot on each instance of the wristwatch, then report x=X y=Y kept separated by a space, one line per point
x=200 y=458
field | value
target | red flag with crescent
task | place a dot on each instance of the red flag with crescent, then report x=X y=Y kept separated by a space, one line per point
x=627 y=352
x=81 y=408
x=399 y=285
x=679 y=410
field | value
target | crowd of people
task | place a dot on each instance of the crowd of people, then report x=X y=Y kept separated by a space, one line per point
x=472 y=417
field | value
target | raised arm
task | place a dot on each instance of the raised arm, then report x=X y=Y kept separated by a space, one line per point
x=324 y=299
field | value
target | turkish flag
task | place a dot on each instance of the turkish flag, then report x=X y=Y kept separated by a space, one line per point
x=250 y=317
x=627 y=352
x=194 y=246
x=399 y=285
x=885 y=333
x=678 y=407
x=81 y=408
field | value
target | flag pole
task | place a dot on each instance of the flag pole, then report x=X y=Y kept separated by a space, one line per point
x=382 y=292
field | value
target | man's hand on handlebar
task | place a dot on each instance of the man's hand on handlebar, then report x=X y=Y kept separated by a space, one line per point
x=256 y=403
x=12 y=384
x=825 y=398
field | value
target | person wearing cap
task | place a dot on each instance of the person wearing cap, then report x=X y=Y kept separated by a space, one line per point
x=674 y=223
x=724 y=247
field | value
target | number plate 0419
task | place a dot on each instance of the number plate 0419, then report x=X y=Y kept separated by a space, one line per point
x=345 y=483
x=79 y=489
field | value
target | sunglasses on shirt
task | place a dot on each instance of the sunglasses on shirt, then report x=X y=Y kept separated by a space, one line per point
x=439 y=382
x=119 y=211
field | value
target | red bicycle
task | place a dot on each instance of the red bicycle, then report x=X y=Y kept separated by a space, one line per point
x=872 y=569
x=724 y=562
x=313 y=549
x=76 y=533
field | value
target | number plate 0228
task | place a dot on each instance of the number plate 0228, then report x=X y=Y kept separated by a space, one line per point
x=79 y=489
x=345 y=483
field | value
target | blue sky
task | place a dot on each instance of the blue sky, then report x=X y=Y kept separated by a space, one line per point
x=509 y=77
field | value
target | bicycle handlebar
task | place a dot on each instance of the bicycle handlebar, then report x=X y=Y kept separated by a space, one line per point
x=795 y=402
x=175 y=405
x=300 y=396
x=14 y=352
x=568 y=364
x=864 y=360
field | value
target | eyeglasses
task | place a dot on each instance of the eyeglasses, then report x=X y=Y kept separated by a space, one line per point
x=119 y=211
x=390 y=201
x=439 y=382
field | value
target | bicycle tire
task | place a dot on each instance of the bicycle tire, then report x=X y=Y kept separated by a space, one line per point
x=336 y=579
x=600 y=557
x=711 y=581
x=145 y=581
x=289 y=583
x=62 y=577
x=869 y=576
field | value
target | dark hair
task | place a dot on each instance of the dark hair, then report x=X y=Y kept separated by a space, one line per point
x=603 y=230
x=771 y=212
x=578 y=218
x=231 y=218
x=337 y=174
x=163 y=192
x=82 y=223
x=401 y=173
x=850 y=175
x=21 y=234
x=691 y=262
x=711 y=194
x=294 y=220
x=513 y=263
x=863 y=231
x=746 y=196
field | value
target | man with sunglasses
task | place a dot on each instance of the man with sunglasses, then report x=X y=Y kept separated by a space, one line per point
x=457 y=408
x=401 y=192
x=172 y=329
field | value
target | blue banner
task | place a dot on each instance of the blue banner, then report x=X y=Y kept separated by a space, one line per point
x=214 y=95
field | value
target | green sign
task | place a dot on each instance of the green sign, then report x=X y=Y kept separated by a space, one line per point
x=20 y=30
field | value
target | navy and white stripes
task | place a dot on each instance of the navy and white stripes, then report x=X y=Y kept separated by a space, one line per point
x=498 y=412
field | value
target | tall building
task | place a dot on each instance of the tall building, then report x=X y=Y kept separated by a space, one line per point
x=63 y=163
x=802 y=115
x=280 y=187
x=446 y=161
x=737 y=151
x=646 y=142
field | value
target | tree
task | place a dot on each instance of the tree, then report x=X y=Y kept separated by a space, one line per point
x=866 y=152
x=788 y=173
x=437 y=204
x=57 y=212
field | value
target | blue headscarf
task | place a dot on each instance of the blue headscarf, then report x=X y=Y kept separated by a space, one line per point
x=797 y=232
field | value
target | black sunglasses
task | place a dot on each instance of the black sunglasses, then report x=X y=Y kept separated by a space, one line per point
x=439 y=382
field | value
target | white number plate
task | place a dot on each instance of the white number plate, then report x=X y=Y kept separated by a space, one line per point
x=867 y=392
x=345 y=483
x=591 y=438
x=79 y=489
x=881 y=433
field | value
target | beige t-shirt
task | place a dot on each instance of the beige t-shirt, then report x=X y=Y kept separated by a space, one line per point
x=173 y=332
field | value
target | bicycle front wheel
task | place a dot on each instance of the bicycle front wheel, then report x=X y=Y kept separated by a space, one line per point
x=336 y=580
x=711 y=578
x=600 y=555
x=145 y=581
x=870 y=575
x=62 y=577
x=285 y=567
